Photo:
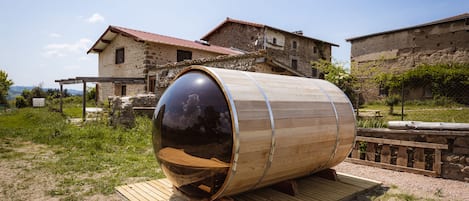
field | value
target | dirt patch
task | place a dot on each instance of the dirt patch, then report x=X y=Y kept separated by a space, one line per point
x=23 y=178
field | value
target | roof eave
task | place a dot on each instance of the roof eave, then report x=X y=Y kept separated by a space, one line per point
x=437 y=22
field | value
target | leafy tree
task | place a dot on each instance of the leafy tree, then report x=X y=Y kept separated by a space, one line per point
x=5 y=84
x=336 y=74
x=91 y=93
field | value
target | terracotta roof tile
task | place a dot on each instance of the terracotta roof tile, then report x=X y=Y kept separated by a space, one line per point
x=231 y=20
x=157 y=38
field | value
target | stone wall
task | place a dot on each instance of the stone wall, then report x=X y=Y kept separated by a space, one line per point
x=251 y=38
x=455 y=160
x=304 y=52
x=139 y=56
x=403 y=50
x=244 y=37
x=254 y=62
x=122 y=108
x=132 y=66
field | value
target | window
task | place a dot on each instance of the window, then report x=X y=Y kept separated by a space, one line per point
x=123 y=90
x=315 y=50
x=183 y=55
x=294 y=45
x=120 y=56
x=294 y=64
x=152 y=84
x=274 y=41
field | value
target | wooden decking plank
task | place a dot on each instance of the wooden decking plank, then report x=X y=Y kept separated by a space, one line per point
x=310 y=189
x=357 y=181
x=131 y=193
x=161 y=187
x=153 y=192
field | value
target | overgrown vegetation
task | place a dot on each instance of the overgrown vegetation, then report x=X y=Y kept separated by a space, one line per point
x=87 y=160
x=444 y=80
x=335 y=73
x=5 y=84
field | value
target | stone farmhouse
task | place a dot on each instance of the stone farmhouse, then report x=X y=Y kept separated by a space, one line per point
x=291 y=49
x=395 y=51
x=234 y=44
x=126 y=52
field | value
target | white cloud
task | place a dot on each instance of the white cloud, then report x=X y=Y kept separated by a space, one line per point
x=55 y=35
x=63 y=49
x=95 y=18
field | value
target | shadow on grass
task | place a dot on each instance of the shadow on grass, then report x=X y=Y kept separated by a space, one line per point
x=372 y=194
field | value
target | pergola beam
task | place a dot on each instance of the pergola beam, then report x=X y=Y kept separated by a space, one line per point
x=84 y=80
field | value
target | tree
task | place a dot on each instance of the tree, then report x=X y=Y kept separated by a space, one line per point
x=336 y=74
x=5 y=84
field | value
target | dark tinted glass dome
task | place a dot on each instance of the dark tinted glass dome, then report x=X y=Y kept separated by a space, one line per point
x=192 y=134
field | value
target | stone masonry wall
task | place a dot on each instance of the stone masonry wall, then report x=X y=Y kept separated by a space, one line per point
x=132 y=66
x=304 y=52
x=400 y=51
x=254 y=62
x=250 y=38
x=455 y=159
x=122 y=112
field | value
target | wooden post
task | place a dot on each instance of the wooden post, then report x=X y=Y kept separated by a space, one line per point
x=419 y=158
x=355 y=150
x=61 y=98
x=84 y=101
x=386 y=154
x=437 y=162
x=370 y=151
x=402 y=156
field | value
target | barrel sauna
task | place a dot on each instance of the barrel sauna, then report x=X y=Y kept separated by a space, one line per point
x=219 y=132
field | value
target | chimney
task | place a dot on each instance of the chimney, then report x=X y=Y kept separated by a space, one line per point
x=300 y=32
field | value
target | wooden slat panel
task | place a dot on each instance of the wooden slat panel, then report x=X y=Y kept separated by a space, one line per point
x=419 y=158
x=403 y=143
x=370 y=151
x=392 y=167
x=437 y=162
x=402 y=156
x=356 y=151
x=385 y=154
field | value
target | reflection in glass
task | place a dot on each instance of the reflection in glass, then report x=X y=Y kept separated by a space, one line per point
x=192 y=134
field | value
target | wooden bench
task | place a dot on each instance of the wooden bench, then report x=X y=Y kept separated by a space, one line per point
x=408 y=156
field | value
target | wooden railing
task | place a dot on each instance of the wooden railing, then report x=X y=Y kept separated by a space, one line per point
x=408 y=156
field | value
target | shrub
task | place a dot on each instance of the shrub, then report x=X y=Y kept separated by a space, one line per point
x=21 y=102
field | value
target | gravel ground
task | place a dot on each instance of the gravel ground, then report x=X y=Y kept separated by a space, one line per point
x=421 y=187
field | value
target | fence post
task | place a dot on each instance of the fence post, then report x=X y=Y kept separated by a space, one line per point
x=402 y=100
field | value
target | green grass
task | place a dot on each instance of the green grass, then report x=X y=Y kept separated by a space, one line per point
x=431 y=111
x=90 y=159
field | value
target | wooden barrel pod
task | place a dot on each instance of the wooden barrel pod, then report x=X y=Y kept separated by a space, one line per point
x=220 y=132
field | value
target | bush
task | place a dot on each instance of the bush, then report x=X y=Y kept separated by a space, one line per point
x=21 y=102
x=391 y=101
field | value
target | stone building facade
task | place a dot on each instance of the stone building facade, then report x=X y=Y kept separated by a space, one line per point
x=396 y=51
x=253 y=61
x=129 y=53
x=291 y=49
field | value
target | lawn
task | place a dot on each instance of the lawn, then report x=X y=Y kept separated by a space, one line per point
x=69 y=162
x=416 y=111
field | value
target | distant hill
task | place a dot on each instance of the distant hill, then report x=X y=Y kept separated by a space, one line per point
x=17 y=90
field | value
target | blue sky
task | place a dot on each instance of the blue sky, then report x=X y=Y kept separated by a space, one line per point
x=42 y=41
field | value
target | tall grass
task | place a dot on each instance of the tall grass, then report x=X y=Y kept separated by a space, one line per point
x=94 y=156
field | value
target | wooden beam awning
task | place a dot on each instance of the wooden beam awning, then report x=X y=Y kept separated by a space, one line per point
x=120 y=80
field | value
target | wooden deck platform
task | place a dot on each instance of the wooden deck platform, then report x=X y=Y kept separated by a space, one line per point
x=312 y=188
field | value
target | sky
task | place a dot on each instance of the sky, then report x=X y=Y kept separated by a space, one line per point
x=42 y=41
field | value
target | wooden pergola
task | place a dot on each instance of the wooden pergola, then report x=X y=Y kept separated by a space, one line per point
x=84 y=80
